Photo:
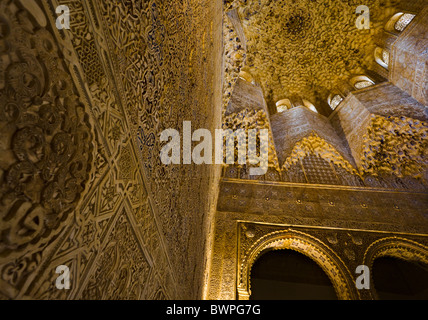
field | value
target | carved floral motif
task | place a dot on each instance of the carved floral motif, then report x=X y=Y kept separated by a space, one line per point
x=46 y=138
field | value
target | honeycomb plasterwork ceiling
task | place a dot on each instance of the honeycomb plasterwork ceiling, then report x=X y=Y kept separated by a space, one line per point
x=307 y=47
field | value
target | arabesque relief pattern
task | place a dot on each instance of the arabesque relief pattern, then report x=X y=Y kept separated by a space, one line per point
x=165 y=81
x=338 y=252
x=396 y=146
x=46 y=136
x=247 y=120
x=47 y=145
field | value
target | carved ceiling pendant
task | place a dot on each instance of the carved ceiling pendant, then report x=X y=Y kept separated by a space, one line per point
x=319 y=147
x=307 y=48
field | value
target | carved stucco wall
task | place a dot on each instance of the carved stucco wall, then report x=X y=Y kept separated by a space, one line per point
x=348 y=224
x=81 y=113
x=81 y=183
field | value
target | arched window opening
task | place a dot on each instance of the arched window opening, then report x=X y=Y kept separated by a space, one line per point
x=246 y=77
x=397 y=279
x=399 y=22
x=382 y=57
x=283 y=105
x=361 y=82
x=289 y=275
x=309 y=105
x=334 y=100
x=404 y=21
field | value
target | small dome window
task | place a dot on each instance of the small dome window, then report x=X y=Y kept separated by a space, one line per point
x=382 y=57
x=361 y=82
x=334 y=101
x=283 y=105
x=404 y=21
x=246 y=76
x=399 y=21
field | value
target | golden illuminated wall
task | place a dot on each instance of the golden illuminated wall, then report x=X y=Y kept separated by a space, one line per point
x=81 y=113
x=352 y=183
x=307 y=48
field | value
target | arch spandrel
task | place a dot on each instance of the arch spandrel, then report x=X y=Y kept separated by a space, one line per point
x=396 y=247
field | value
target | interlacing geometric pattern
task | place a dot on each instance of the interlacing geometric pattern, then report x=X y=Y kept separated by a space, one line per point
x=81 y=111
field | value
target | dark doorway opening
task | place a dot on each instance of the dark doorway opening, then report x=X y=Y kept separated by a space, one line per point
x=289 y=275
x=396 y=279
